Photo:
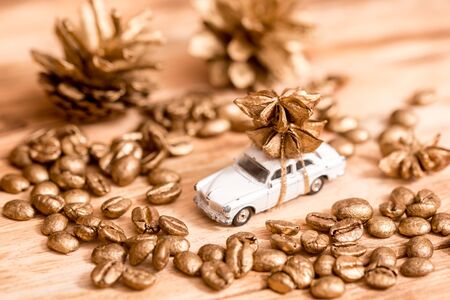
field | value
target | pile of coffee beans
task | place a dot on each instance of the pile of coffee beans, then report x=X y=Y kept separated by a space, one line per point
x=65 y=168
x=347 y=128
x=198 y=113
x=322 y=258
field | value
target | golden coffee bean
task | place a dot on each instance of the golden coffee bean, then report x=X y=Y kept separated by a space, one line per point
x=323 y=266
x=54 y=223
x=165 y=193
x=137 y=279
x=327 y=287
x=140 y=237
x=115 y=207
x=48 y=204
x=107 y=273
x=349 y=268
x=146 y=219
x=62 y=242
x=68 y=172
x=161 y=254
x=179 y=145
x=282 y=227
x=314 y=242
x=76 y=196
x=14 y=183
x=285 y=243
x=239 y=121
x=404 y=117
x=216 y=274
x=266 y=260
x=239 y=256
x=87 y=228
x=173 y=226
x=320 y=221
x=347 y=248
x=214 y=127
x=347 y=230
x=44 y=146
x=384 y=256
x=35 y=173
x=177 y=243
x=402 y=195
x=20 y=156
x=140 y=251
x=97 y=183
x=125 y=170
x=380 y=277
x=19 y=210
x=416 y=267
x=393 y=210
x=343 y=146
x=427 y=196
x=245 y=237
x=352 y=208
x=188 y=263
x=414 y=226
x=300 y=269
x=423 y=97
x=280 y=282
x=45 y=188
x=108 y=252
x=357 y=135
x=381 y=227
x=211 y=252
x=419 y=246
x=342 y=124
x=440 y=223
x=77 y=210
x=110 y=231
x=421 y=210
x=160 y=176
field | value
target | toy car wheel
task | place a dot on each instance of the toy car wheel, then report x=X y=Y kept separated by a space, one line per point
x=316 y=185
x=242 y=216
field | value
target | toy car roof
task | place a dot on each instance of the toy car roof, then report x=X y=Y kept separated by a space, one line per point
x=324 y=151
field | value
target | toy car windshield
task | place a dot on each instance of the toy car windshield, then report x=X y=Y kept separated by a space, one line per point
x=253 y=168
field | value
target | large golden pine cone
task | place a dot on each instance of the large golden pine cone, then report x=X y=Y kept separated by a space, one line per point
x=101 y=74
x=250 y=43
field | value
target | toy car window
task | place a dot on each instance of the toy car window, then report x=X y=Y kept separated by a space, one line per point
x=307 y=163
x=253 y=168
x=277 y=173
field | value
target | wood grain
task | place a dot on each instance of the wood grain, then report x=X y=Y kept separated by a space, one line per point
x=387 y=48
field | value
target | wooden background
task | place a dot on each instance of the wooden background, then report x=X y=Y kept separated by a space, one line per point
x=387 y=48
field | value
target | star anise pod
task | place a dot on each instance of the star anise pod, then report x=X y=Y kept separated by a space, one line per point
x=250 y=42
x=268 y=108
x=292 y=142
x=413 y=160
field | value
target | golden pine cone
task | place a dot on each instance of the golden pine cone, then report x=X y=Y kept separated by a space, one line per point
x=98 y=77
x=250 y=43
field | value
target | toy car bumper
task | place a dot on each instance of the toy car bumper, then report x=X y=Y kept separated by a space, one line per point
x=216 y=216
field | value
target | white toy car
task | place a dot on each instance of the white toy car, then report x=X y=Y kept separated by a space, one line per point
x=252 y=184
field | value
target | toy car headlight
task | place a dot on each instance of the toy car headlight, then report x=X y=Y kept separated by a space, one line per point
x=226 y=209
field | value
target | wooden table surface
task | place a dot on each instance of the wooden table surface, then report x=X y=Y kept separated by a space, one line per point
x=387 y=48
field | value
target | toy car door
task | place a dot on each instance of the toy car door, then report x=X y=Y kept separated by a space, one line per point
x=274 y=186
x=311 y=170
